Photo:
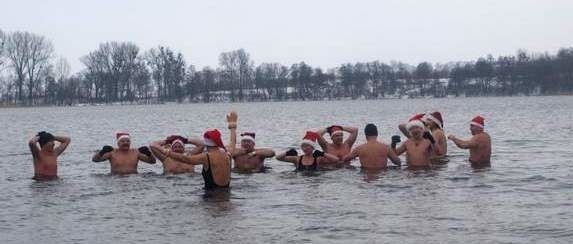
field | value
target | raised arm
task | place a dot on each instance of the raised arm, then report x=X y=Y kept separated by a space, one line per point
x=321 y=141
x=157 y=149
x=394 y=158
x=64 y=142
x=199 y=146
x=33 y=144
x=103 y=154
x=145 y=155
x=353 y=135
x=463 y=144
x=401 y=149
x=322 y=157
x=232 y=119
x=402 y=128
x=289 y=156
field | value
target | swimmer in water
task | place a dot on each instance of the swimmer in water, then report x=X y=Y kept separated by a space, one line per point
x=479 y=145
x=435 y=124
x=418 y=147
x=248 y=159
x=215 y=159
x=312 y=159
x=176 y=144
x=123 y=159
x=339 y=147
x=373 y=154
x=45 y=156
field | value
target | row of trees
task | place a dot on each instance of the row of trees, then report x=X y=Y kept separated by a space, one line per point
x=30 y=74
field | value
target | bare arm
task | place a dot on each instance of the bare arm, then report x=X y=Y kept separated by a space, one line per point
x=321 y=141
x=352 y=155
x=353 y=135
x=188 y=159
x=394 y=158
x=463 y=144
x=404 y=131
x=290 y=159
x=64 y=142
x=97 y=158
x=440 y=140
x=265 y=152
x=145 y=158
x=330 y=158
x=157 y=149
x=33 y=144
x=199 y=146
x=400 y=150
x=232 y=119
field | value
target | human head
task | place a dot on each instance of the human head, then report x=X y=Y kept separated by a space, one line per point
x=477 y=125
x=433 y=120
x=123 y=140
x=212 y=138
x=309 y=142
x=370 y=130
x=46 y=140
x=415 y=128
x=178 y=146
x=248 y=141
x=336 y=134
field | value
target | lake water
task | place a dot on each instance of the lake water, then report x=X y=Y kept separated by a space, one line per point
x=526 y=197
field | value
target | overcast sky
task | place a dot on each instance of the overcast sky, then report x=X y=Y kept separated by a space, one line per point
x=322 y=33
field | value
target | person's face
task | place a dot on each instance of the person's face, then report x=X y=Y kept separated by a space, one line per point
x=416 y=132
x=248 y=145
x=124 y=143
x=49 y=146
x=307 y=149
x=337 y=138
x=178 y=148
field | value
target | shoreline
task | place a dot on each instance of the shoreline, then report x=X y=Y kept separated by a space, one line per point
x=7 y=106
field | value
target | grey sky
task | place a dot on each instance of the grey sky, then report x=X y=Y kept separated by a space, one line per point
x=322 y=33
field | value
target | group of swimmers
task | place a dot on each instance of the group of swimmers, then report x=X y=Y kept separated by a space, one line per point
x=426 y=145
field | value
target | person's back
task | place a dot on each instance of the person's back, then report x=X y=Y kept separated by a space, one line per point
x=372 y=154
x=219 y=165
x=45 y=157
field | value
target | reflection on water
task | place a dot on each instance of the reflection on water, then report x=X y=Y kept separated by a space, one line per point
x=525 y=196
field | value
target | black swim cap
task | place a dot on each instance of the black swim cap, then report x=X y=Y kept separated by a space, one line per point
x=371 y=130
x=45 y=137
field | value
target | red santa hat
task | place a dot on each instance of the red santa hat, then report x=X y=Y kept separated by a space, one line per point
x=435 y=117
x=121 y=134
x=478 y=121
x=310 y=138
x=335 y=129
x=248 y=136
x=415 y=121
x=212 y=138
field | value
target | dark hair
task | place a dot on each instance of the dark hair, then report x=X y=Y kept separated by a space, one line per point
x=44 y=138
x=371 y=130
